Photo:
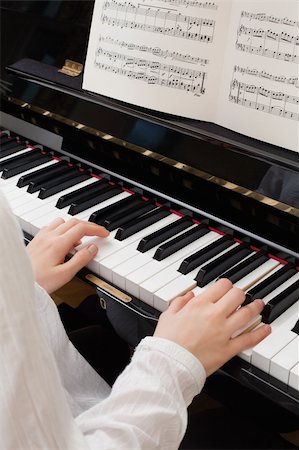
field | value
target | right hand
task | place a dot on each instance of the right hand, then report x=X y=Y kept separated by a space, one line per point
x=204 y=325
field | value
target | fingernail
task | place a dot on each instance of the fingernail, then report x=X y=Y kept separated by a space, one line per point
x=107 y=231
x=267 y=328
x=93 y=249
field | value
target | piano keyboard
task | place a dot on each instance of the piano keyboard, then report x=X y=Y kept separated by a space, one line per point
x=154 y=253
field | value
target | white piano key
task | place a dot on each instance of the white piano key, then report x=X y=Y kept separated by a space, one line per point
x=121 y=272
x=50 y=213
x=186 y=282
x=294 y=377
x=129 y=246
x=20 y=152
x=84 y=215
x=265 y=276
x=281 y=288
x=154 y=280
x=10 y=184
x=39 y=204
x=136 y=277
x=283 y=362
x=256 y=275
x=284 y=322
x=29 y=213
x=275 y=342
x=182 y=284
x=246 y=354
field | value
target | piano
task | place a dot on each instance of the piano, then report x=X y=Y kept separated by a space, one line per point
x=186 y=201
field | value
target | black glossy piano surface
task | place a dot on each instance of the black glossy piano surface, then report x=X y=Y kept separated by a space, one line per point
x=194 y=168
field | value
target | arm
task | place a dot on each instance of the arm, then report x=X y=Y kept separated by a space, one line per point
x=147 y=405
x=33 y=411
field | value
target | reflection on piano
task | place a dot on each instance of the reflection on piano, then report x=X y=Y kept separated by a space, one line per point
x=179 y=197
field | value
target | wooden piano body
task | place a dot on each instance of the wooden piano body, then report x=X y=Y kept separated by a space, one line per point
x=194 y=168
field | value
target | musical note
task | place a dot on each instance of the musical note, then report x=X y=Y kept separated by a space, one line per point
x=269 y=18
x=159 y=20
x=193 y=3
x=263 y=99
x=262 y=74
x=271 y=42
x=151 y=72
x=157 y=51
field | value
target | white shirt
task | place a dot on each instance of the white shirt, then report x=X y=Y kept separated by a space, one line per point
x=51 y=398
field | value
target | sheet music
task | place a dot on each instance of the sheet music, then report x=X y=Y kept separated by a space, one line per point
x=260 y=90
x=235 y=63
x=163 y=55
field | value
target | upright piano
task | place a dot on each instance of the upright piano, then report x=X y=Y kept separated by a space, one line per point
x=186 y=201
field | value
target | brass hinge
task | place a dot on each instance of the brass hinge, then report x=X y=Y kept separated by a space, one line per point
x=71 y=68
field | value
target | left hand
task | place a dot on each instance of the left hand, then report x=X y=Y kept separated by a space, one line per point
x=49 y=247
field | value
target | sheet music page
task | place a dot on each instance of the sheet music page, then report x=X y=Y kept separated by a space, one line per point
x=260 y=90
x=164 y=55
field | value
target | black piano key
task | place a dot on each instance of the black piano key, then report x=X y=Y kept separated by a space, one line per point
x=35 y=161
x=141 y=222
x=41 y=175
x=296 y=327
x=177 y=243
x=204 y=254
x=279 y=304
x=4 y=138
x=270 y=283
x=219 y=265
x=245 y=267
x=69 y=180
x=82 y=194
x=16 y=161
x=104 y=194
x=116 y=220
x=100 y=215
x=11 y=149
x=60 y=172
x=165 y=233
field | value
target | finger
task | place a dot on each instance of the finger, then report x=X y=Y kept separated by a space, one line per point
x=216 y=291
x=231 y=301
x=249 y=340
x=79 y=260
x=178 y=303
x=244 y=315
x=78 y=231
x=66 y=226
x=55 y=223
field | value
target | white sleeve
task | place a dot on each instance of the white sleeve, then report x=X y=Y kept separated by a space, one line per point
x=34 y=413
x=147 y=408
x=83 y=386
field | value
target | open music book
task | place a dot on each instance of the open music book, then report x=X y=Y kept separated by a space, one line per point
x=234 y=63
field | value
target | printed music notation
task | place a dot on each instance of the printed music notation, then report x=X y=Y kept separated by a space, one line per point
x=159 y=20
x=269 y=18
x=151 y=72
x=262 y=99
x=273 y=43
x=156 y=51
x=188 y=3
x=262 y=74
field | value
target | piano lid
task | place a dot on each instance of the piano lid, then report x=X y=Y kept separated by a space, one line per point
x=40 y=36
